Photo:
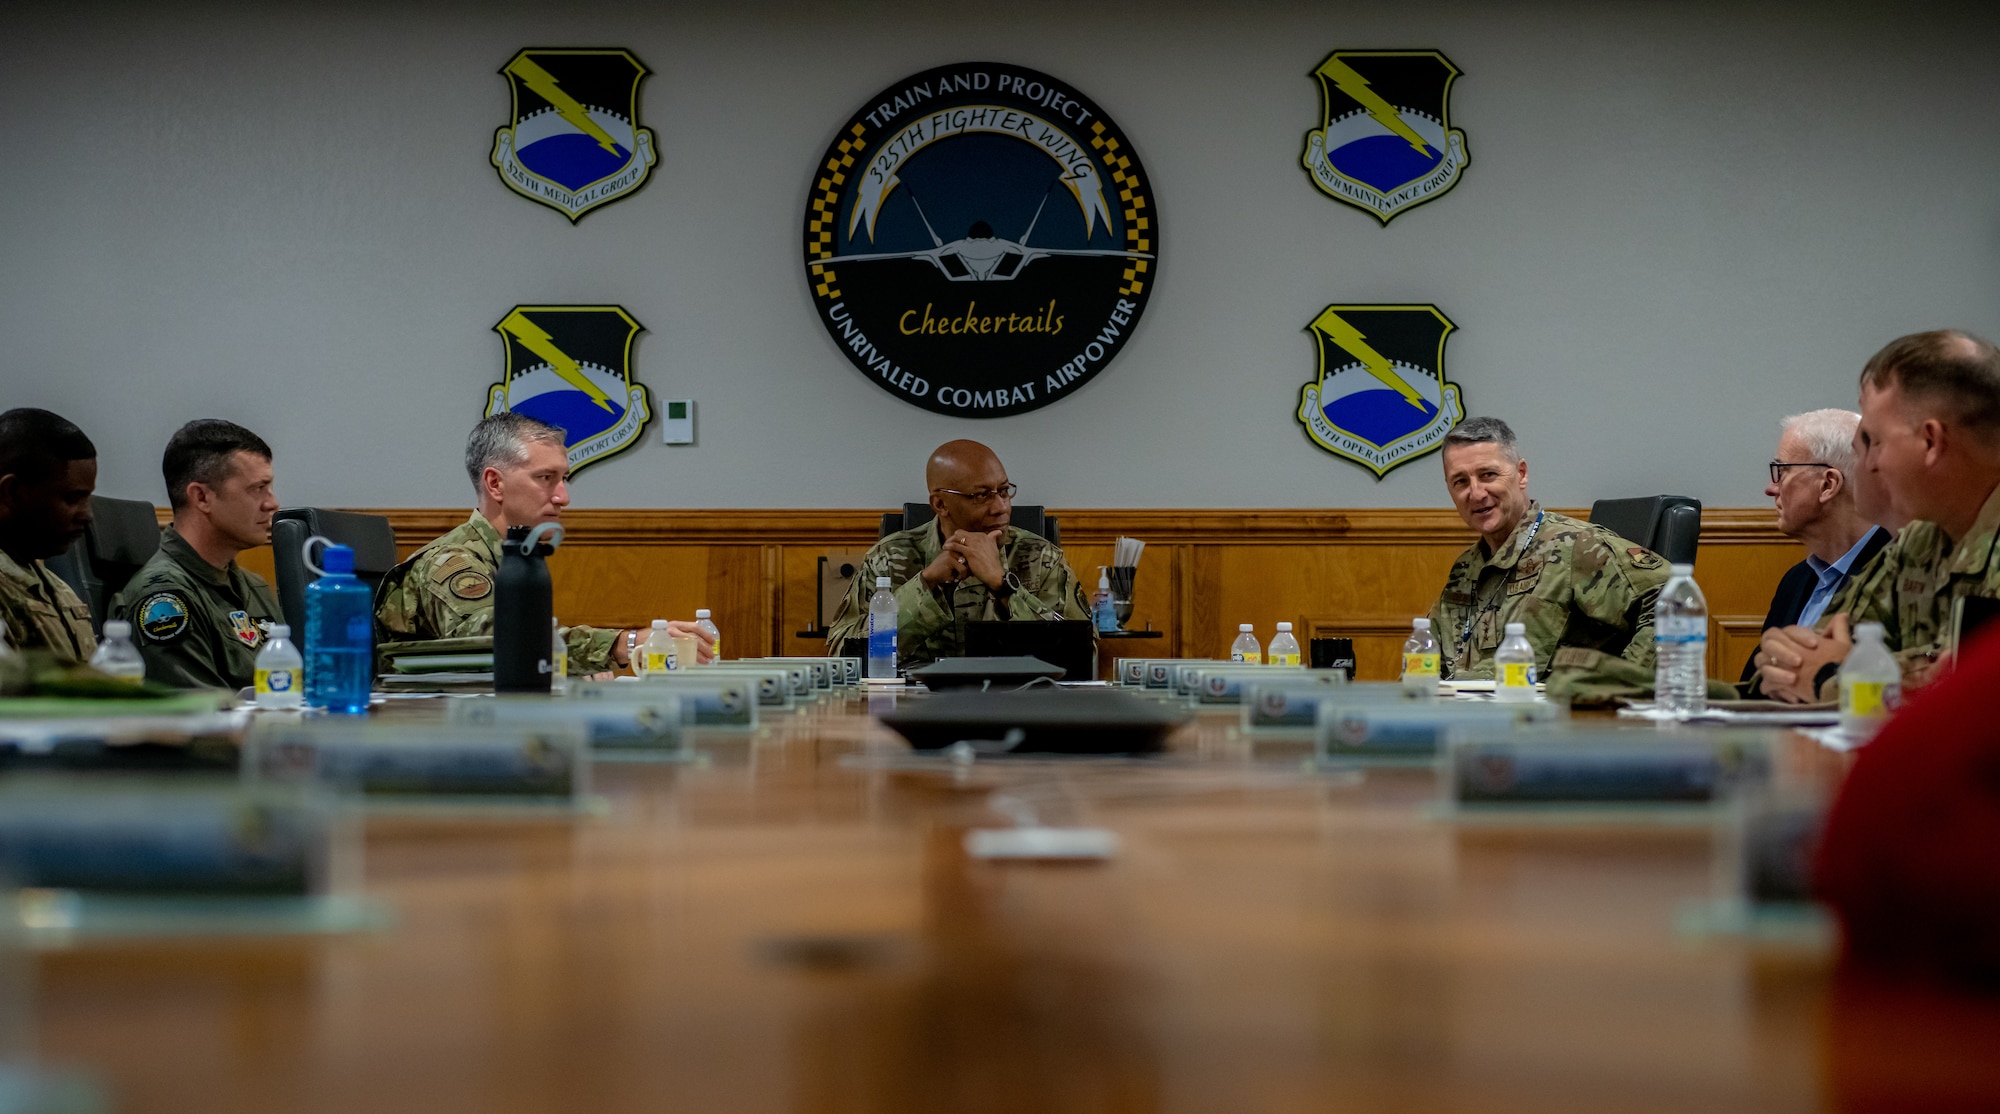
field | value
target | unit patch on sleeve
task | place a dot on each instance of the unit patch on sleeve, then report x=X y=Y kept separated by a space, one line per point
x=471 y=585
x=163 y=616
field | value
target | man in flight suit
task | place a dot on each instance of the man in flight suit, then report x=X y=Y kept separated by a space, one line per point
x=198 y=618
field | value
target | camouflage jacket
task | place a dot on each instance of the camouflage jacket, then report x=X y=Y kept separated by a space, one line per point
x=196 y=625
x=1576 y=585
x=445 y=590
x=930 y=623
x=42 y=611
x=1913 y=582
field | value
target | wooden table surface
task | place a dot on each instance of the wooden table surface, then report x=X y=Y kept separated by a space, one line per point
x=783 y=930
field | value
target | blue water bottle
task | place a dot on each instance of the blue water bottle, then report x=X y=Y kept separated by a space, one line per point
x=340 y=633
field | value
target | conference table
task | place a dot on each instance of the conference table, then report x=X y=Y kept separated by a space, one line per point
x=794 y=924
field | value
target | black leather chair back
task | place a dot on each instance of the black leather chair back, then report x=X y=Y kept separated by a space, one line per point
x=369 y=535
x=1032 y=519
x=1669 y=525
x=123 y=535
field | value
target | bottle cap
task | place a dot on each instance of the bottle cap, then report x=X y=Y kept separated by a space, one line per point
x=881 y=582
x=659 y=624
x=117 y=628
x=1681 y=570
x=337 y=559
x=1421 y=624
x=1244 y=627
x=1863 y=632
x=278 y=630
x=1516 y=628
x=701 y=612
x=1284 y=627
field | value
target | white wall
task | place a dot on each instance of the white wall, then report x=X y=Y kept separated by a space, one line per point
x=1680 y=221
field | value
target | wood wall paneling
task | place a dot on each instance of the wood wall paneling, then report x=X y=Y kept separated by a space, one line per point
x=1355 y=573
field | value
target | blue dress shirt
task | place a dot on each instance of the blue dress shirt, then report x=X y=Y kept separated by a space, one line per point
x=1831 y=576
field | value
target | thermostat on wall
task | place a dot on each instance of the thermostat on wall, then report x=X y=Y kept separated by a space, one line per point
x=677 y=421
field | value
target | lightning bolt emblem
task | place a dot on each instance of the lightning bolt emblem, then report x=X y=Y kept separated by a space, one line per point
x=546 y=87
x=1336 y=329
x=535 y=339
x=1354 y=85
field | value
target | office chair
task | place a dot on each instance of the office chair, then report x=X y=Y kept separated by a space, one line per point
x=122 y=536
x=1029 y=518
x=369 y=535
x=1669 y=525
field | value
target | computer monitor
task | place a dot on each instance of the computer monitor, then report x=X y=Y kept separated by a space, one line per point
x=1070 y=644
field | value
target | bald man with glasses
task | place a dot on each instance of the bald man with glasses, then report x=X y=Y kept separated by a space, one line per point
x=969 y=563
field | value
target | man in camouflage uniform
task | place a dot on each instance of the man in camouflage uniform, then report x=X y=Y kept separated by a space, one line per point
x=1930 y=434
x=1573 y=584
x=520 y=470
x=198 y=619
x=969 y=563
x=48 y=470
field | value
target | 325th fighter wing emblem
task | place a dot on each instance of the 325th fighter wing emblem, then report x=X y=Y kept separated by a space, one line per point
x=1385 y=140
x=571 y=366
x=1380 y=398
x=573 y=140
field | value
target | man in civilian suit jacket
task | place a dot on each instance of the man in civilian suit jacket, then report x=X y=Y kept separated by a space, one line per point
x=1814 y=484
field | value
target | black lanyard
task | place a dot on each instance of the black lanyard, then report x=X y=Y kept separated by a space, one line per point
x=1493 y=599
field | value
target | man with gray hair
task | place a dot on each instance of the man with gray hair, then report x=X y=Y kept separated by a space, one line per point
x=1572 y=583
x=1930 y=436
x=520 y=472
x=1812 y=484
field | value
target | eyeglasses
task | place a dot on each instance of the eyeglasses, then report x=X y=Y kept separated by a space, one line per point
x=1778 y=467
x=984 y=494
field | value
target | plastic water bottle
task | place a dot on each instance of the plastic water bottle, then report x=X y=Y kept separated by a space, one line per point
x=1100 y=604
x=558 y=658
x=340 y=636
x=657 y=655
x=1284 y=648
x=117 y=656
x=882 y=621
x=1246 y=648
x=707 y=626
x=1514 y=667
x=1871 y=683
x=1680 y=646
x=1420 y=660
x=281 y=672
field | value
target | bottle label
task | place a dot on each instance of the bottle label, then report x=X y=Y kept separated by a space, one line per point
x=660 y=661
x=715 y=648
x=1421 y=665
x=278 y=681
x=1255 y=657
x=1869 y=698
x=561 y=664
x=881 y=640
x=1284 y=659
x=1681 y=628
x=1517 y=675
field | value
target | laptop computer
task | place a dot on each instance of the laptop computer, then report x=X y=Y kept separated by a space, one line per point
x=1068 y=644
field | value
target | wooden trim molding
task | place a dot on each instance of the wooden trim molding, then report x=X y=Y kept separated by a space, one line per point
x=1383 y=526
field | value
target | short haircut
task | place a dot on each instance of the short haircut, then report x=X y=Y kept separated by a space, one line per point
x=203 y=452
x=1828 y=437
x=1957 y=370
x=502 y=440
x=1484 y=431
x=36 y=444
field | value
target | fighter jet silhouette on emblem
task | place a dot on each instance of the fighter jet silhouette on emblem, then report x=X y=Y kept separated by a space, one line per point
x=981 y=256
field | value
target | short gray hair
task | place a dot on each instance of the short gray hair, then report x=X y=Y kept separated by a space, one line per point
x=502 y=440
x=1484 y=431
x=1828 y=436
